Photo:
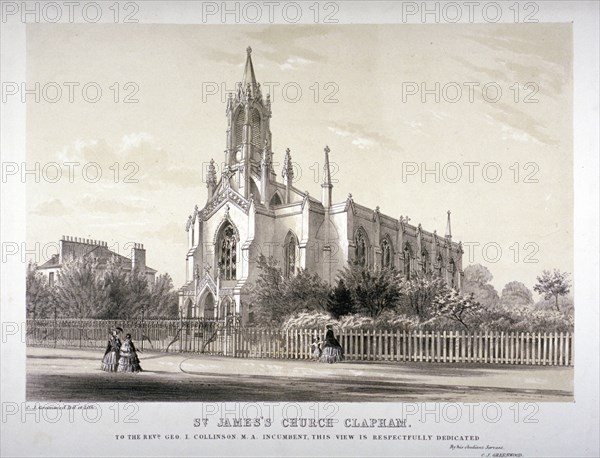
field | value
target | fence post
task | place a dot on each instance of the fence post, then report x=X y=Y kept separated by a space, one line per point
x=560 y=349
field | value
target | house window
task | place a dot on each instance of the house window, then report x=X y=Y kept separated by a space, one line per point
x=290 y=257
x=386 y=254
x=227 y=254
x=51 y=278
x=361 y=249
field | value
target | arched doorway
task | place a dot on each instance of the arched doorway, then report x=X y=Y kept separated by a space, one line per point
x=208 y=306
x=189 y=308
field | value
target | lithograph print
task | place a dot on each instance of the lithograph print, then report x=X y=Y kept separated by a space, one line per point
x=271 y=227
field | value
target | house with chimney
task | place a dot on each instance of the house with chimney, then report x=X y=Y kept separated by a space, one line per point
x=71 y=248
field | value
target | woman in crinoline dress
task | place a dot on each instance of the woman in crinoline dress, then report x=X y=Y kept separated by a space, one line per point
x=332 y=350
x=110 y=361
x=129 y=361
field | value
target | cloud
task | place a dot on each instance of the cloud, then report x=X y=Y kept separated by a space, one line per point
x=135 y=140
x=544 y=63
x=53 y=207
x=117 y=205
x=509 y=133
x=292 y=63
x=135 y=159
x=363 y=138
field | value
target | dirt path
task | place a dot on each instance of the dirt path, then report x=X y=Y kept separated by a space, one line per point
x=74 y=375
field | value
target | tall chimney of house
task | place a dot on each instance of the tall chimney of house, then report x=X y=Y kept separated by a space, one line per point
x=138 y=257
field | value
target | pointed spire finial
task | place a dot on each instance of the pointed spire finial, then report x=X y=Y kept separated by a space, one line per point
x=211 y=174
x=265 y=160
x=288 y=168
x=448 y=227
x=326 y=168
x=249 y=50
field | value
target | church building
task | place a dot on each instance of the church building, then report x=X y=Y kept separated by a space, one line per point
x=250 y=211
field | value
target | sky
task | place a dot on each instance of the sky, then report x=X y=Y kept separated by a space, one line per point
x=367 y=91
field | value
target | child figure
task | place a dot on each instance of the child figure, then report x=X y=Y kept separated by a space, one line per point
x=316 y=349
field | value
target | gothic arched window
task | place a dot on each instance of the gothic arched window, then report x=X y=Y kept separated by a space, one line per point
x=425 y=261
x=255 y=123
x=386 y=254
x=226 y=308
x=361 y=248
x=227 y=245
x=452 y=273
x=290 y=256
x=238 y=129
x=440 y=264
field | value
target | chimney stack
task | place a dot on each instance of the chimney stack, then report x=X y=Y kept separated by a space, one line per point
x=138 y=257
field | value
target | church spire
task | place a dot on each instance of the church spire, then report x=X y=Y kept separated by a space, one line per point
x=448 y=227
x=326 y=186
x=249 y=77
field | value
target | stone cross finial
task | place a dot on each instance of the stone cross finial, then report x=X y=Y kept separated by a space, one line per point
x=249 y=50
x=327 y=149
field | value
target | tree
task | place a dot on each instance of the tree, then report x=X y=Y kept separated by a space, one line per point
x=477 y=281
x=163 y=298
x=274 y=297
x=306 y=291
x=372 y=291
x=80 y=293
x=340 y=300
x=516 y=294
x=114 y=283
x=138 y=294
x=38 y=294
x=419 y=292
x=267 y=292
x=553 y=284
x=451 y=304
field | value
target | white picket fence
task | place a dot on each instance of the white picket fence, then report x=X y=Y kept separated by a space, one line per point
x=539 y=348
x=197 y=336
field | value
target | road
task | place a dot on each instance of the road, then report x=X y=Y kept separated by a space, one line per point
x=74 y=375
